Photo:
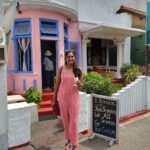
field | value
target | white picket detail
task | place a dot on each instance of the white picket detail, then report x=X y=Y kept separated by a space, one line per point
x=148 y=92
x=134 y=97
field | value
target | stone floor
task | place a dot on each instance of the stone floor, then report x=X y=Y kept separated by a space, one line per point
x=133 y=135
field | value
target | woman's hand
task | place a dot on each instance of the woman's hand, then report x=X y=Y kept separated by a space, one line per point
x=79 y=84
x=53 y=102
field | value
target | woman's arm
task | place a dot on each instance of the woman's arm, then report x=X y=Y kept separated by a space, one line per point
x=80 y=82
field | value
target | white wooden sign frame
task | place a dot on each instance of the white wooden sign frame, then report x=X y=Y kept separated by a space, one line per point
x=112 y=140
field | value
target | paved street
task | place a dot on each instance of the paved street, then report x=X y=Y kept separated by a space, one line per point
x=134 y=135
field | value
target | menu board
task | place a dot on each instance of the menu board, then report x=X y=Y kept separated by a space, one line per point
x=105 y=116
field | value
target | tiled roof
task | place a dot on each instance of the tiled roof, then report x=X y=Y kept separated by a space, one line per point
x=131 y=11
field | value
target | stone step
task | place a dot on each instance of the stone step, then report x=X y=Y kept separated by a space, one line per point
x=45 y=103
x=47 y=96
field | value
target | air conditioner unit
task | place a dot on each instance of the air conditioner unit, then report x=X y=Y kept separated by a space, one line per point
x=3 y=54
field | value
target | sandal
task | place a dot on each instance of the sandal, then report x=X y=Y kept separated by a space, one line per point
x=67 y=146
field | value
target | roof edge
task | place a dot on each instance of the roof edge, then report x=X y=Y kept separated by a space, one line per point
x=132 y=11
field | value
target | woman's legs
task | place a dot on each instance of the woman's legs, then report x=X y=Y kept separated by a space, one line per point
x=73 y=119
x=65 y=118
x=74 y=148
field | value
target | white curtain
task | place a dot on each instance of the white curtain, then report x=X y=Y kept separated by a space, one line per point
x=24 y=43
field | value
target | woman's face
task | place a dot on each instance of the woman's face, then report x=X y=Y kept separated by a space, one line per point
x=70 y=58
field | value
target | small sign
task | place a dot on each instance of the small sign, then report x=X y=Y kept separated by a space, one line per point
x=105 y=116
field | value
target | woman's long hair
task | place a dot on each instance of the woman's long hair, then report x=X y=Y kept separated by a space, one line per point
x=76 y=69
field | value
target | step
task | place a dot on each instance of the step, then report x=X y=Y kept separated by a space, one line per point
x=45 y=103
x=47 y=96
x=46 y=111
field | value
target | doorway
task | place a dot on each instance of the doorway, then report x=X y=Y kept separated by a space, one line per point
x=51 y=46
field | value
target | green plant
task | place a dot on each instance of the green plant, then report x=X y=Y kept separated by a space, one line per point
x=33 y=95
x=115 y=87
x=130 y=72
x=95 y=83
x=124 y=69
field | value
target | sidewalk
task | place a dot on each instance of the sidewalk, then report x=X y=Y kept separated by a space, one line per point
x=134 y=135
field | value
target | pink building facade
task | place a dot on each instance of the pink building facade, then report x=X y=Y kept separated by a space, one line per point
x=35 y=31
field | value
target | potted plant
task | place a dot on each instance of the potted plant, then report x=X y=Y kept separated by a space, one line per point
x=130 y=72
x=33 y=95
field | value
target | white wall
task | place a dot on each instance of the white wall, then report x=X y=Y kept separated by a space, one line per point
x=105 y=11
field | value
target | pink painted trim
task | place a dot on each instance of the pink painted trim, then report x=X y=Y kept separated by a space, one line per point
x=19 y=146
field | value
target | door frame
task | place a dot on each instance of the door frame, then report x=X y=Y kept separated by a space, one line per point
x=56 y=48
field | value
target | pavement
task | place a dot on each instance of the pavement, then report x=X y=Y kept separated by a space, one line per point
x=134 y=134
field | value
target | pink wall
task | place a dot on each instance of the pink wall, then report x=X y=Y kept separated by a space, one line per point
x=34 y=15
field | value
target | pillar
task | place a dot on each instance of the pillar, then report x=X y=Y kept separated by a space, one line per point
x=120 y=45
x=127 y=51
x=84 y=54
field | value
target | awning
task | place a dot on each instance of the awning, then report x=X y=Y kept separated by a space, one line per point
x=105 y=31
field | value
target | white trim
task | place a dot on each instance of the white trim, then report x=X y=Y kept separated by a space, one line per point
x=103 y=27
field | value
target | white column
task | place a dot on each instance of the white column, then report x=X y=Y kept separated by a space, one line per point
x=84 y=55
x=119 y=57
x=3 y=96
x=127 y=51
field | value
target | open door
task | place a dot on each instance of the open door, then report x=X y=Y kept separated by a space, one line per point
x=51 y=46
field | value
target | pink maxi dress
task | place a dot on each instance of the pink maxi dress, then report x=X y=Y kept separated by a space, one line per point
x=69 y=102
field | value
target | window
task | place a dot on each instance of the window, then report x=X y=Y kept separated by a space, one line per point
x=49 y=27
x=22 y=28
x=113 y=56
x=66 y=44
x=96 y=54
x=98 y=57
x=66 y=31
x=22 y=42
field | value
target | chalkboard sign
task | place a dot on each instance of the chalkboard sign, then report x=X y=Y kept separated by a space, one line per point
x=105 y=116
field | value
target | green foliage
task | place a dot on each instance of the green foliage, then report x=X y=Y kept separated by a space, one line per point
x=130 y=72
x=115 y=87
x=95 y=83
x=33 y=95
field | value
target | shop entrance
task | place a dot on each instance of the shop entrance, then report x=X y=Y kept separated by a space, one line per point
x=47 y=45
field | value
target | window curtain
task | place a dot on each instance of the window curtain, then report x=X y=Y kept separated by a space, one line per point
x=24 y=44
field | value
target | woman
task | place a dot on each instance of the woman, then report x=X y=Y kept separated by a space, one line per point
x=67 y=93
